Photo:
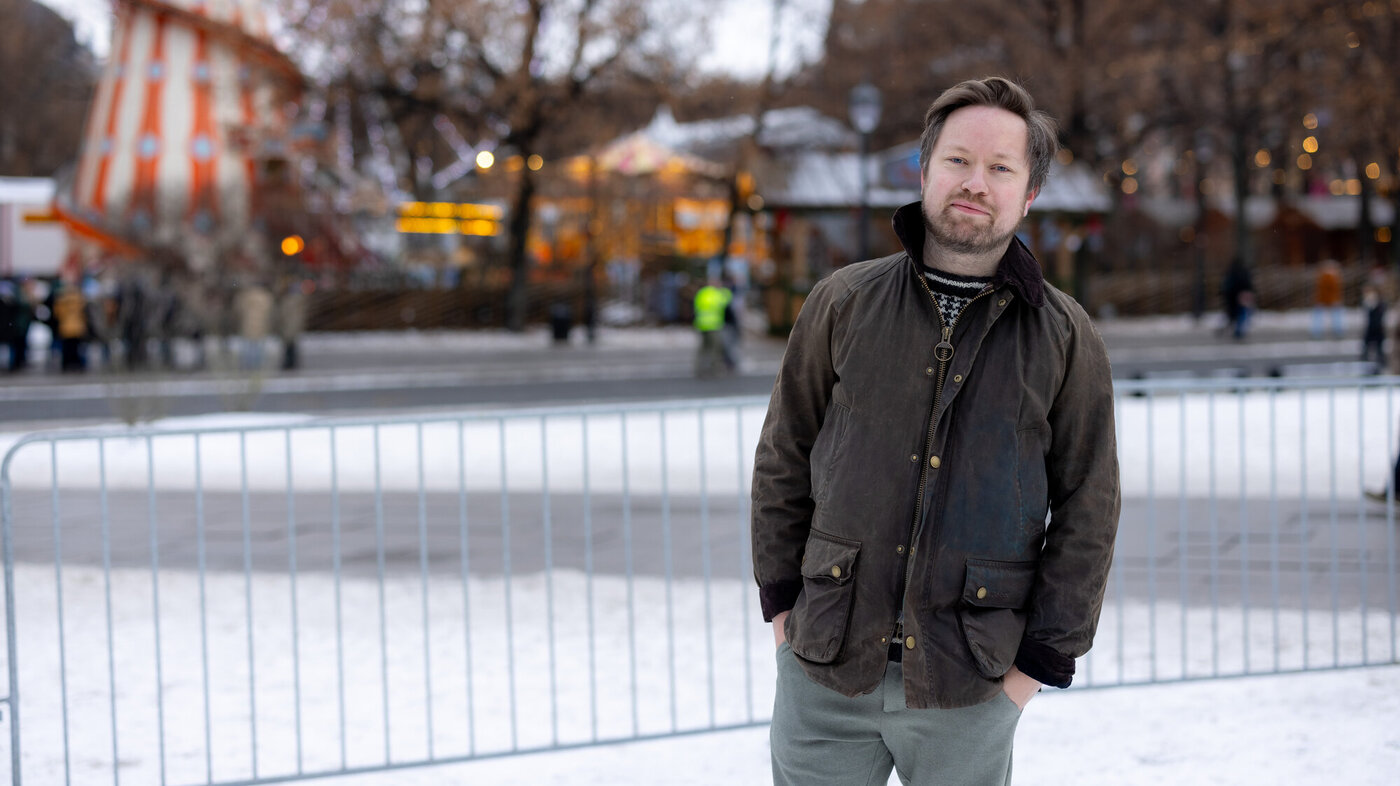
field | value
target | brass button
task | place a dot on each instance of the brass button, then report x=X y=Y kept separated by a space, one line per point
x=884 y=639
x=836 y=571
x=929 y=371
x=909 y=643
x=899 y=549
x=957 y=377
x=913 y=457
x=935 y=462
x=981 y=593
x=1001 y=302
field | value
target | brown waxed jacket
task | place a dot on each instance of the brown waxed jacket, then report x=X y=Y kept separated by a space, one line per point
x=898 y=496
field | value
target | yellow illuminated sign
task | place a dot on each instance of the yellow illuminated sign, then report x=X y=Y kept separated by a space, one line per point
x=449 y=218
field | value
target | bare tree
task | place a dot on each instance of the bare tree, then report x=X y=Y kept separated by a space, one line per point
x=526 y=78
x=49 y=80
x=1354 y=106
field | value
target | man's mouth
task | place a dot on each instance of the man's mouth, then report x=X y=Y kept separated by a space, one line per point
x=967 y=208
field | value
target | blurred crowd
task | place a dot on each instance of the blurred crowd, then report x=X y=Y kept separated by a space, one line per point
x=1328 y=306
x=144 y=320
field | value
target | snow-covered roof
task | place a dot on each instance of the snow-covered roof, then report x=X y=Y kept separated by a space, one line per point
x=1343 y=212
x=1072 y=189
x=26 y=190
x=1169 y=212
x=783 y=129
x=1328 y=212
x=816 y=180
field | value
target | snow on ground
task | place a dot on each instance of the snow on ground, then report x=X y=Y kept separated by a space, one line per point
x=619 y=670
x=1322 y=727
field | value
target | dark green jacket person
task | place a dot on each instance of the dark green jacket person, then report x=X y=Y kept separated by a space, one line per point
x=935 y=492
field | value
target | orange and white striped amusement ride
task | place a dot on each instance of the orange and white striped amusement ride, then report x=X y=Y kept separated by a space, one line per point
x=186 y=155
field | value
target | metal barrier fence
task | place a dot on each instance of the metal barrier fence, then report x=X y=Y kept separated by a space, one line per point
x=280 y=598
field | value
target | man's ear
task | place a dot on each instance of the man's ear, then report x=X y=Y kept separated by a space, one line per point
x=1030 y=197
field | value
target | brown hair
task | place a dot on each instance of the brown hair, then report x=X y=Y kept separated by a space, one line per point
x=1001 y=93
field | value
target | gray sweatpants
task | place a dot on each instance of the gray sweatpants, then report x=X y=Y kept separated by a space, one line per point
x=820 y=737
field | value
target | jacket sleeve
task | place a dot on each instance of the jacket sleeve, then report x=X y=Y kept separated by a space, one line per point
x=1082 y=468
x=782 y=490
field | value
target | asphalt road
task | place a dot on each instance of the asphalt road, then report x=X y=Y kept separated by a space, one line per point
x=400 y=372
x=1197 y=552
x=409 y=371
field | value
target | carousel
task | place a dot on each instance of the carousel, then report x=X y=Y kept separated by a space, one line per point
x=186 y=156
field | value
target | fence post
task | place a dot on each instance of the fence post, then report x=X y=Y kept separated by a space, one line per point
x=11 y=698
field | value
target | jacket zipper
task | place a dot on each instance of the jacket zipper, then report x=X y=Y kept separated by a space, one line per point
x=943 y=353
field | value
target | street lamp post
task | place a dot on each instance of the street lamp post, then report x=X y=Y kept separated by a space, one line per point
x=865 y=115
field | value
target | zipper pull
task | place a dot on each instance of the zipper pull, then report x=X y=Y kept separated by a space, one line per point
x=943 y=352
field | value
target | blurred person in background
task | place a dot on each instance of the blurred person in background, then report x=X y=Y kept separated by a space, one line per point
x=934 y=409
x=1237 y=290
x=711 y=302
x=133 y=307
x=1327 y=298
x=7 y=316
x=223 y=319
x=196 y=317
x=100 y=311
x=16 y=314
x=1373 y=337
x=733 y=329
x=166 y=311
x=1392 y=366
x=70 y=325
x=291 y=320
x=254 y=305
x=46 y=293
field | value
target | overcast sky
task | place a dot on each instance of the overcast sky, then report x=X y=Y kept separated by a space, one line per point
x=740 y=32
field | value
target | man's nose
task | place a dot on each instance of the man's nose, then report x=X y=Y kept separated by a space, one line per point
x=975 y=182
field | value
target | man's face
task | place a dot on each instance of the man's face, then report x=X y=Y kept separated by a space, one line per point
x=974 y=187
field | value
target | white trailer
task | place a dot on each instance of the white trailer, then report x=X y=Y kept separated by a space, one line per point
x=33 y=242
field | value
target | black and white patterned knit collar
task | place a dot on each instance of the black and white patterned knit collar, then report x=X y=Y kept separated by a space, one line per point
x=953 y=292
x=1017 y=269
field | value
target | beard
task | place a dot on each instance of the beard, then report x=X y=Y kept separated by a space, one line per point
x=962 y=235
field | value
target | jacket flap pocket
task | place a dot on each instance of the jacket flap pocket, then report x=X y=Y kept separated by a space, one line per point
x=829 y=557
x=998 y=585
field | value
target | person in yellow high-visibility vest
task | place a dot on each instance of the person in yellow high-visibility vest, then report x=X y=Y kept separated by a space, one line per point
x=711 y=302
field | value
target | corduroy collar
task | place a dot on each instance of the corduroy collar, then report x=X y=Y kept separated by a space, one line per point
x=1018 y=267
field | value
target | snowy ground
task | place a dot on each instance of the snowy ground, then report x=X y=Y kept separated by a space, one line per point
x=649 y=657
x=1338 y=727
x=1322 y=728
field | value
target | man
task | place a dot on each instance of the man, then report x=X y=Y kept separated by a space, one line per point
x=932 y=408
x=291 y=320
x=1327 y=298
x=15 y=315
x=70 y=319
x=254 y=303
x=711 y=303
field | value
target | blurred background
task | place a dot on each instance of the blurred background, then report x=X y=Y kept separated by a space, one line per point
x=192 y=169
x=319 y=207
